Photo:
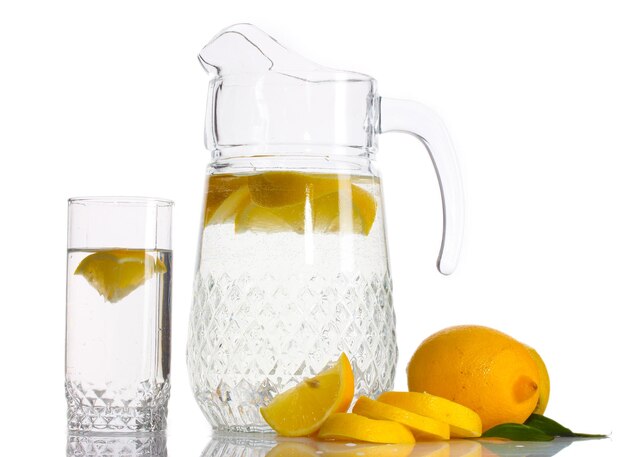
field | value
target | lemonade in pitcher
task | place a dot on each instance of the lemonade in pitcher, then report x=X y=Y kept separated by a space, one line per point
x=292 y=272
x=292 y=265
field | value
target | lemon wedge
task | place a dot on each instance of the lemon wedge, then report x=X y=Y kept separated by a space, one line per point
x=116 y=273
x=301 y=410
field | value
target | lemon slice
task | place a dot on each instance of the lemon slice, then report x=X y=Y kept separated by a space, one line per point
x=255 y=218
x=365 y=207
x=230 y=207
x=422 y=427
x=116 y=273
x=301 y=410
x=283 y=188
x=278 y=201
x=351 y=212
x=348 y=427
x=464 y=423
x=219 y=188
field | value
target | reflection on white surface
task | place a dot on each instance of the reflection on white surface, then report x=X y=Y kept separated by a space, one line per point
x=526 y=449
x=240 y=445
x=258 y=445
x=116 y=445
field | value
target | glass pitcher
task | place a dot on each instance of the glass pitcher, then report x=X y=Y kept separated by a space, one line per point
x=292 y=267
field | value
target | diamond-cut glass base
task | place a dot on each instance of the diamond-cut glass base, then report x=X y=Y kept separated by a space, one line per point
x=251 y=339
x=91 y=409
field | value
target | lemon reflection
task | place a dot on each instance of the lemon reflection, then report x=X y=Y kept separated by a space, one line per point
x=340 y=449
x=453 y=448
x=292 y=449
x=271 y=446
x=333 y=449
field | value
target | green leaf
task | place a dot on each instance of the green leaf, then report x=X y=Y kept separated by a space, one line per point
x=548 y=425
x=553 y=428
x=517 y=432
x=536 y=428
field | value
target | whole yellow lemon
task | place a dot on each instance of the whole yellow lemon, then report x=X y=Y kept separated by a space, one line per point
x=478 y=367
x=544 y=382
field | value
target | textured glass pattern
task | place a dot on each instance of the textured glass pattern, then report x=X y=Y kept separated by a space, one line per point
x=238 y=446
x=94 y=409
x=250 y=339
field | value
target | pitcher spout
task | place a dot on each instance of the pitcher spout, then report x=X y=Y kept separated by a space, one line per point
x=239 y=48
x=263 y=96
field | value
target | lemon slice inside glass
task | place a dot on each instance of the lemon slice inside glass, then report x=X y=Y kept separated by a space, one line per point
x=116 y=273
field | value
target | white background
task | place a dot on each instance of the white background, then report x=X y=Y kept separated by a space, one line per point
x=108 y=98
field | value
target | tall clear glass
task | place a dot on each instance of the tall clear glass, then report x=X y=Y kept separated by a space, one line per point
x=119 y=269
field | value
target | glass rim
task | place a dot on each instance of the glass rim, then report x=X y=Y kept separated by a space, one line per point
x=121 y=200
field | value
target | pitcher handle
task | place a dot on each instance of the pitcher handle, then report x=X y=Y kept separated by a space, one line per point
x=420 y=121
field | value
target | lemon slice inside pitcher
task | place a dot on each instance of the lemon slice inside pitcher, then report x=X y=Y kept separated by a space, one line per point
x=290 y=201
x=115 y=273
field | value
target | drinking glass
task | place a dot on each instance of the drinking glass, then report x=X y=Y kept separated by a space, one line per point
x=119 y=269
